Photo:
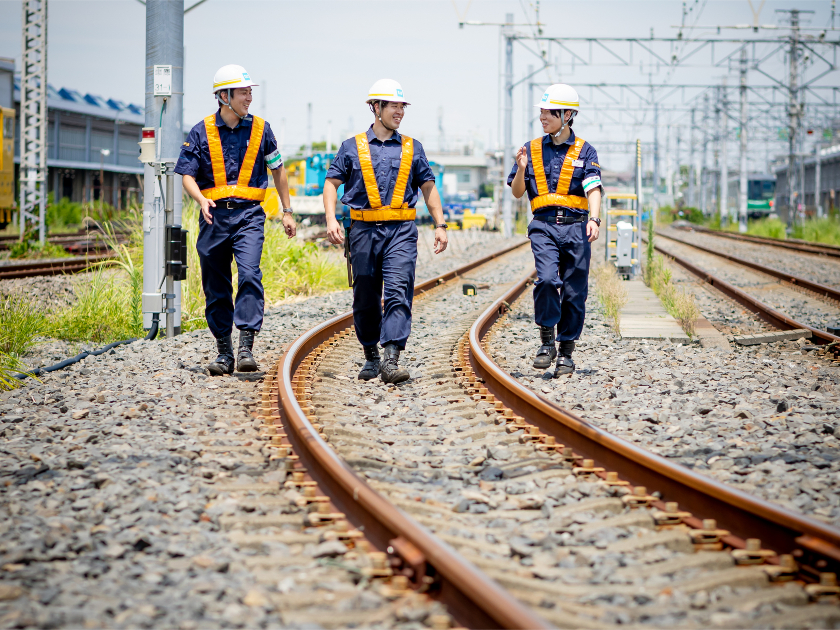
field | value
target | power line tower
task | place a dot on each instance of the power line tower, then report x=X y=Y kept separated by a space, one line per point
x=33 y=115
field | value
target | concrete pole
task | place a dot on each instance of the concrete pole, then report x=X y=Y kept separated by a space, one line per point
x=742 y=200
x=655 y=210
x=164 y=46
x=638 y=217
x=669 y=165
x=793 y=118
x=692 y=171
x=704 y=171
x=507 y=160
x=724 y=158
x=818 y=180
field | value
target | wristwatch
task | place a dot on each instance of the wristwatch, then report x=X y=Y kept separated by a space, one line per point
x=442 y=225
x=597 y=221
x=287 y=211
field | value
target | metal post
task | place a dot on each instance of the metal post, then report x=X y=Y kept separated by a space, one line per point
x=692 y=167
x=507 y=198
x=655 y=210
x=818 y=180
x=704 y=170
x=169 y=217
x=33 y=118
x=638 y=217
x=724 y=158
x=164 y=47
x=793 y=117
x=742 y=199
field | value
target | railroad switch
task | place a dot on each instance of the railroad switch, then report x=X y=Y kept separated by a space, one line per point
x=639 y=498
x=588 y=467
x=613 y=480
x=752 y=553
x=708 y=538
x=670 y=516
x=785 y=571
x=826 y=590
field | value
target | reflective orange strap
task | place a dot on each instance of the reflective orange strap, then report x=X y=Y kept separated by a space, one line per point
x=365 y=163
x=565 y=179
x=217 y=158
x=537 y=165
x=402 y=176
x=254 y=144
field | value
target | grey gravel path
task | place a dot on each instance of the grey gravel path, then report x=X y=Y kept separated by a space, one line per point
x=565 y=544
x=136 y=492
x=814 y=267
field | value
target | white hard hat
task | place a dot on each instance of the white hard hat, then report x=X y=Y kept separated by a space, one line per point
x=560 y=96
x=386 y=90
x=231 y=77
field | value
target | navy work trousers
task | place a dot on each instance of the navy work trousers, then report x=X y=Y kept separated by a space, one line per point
x=383 y=255
x=234 y=234
x=561 y=255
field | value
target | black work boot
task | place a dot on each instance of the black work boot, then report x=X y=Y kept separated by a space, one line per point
x=372 y=363
x=391 y=372
x=565 y=365
x=547 y=352
x=244 y=359
x=224 y=362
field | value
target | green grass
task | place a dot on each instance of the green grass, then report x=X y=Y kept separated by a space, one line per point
x=657 y=275
x=770 y=228
x=20 y=324
x=825 y=230
x=611 y=293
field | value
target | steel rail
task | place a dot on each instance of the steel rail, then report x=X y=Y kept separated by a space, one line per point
x=472 y=598
x=809 y=247
x=765 y=311
x=816 y=287
x=815 y=545
x=51 y=267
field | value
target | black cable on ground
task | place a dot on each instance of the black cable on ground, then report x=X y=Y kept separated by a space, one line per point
x=153 y=331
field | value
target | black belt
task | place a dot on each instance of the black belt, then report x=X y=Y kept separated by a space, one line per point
x=562 y=217
x=229 y=204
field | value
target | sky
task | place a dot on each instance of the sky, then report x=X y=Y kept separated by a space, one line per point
x=328 y=53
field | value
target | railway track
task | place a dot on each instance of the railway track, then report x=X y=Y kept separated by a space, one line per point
x=515 y=512
x=50 y=267
x=791 y=243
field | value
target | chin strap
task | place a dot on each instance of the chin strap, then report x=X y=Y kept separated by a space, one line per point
x=223 y=104
x=563 y=118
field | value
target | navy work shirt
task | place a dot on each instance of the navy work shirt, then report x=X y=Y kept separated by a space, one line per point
x=195 y=154
x=584 y=178
x=385 y=157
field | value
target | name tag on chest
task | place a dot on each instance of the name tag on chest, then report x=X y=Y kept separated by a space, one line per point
x=577 y=163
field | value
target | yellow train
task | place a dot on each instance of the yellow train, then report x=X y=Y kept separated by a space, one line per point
x=7 y=166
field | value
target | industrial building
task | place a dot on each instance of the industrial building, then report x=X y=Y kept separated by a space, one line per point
x=829 y=182
x=92 y=143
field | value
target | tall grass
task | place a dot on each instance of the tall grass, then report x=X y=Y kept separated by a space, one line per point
x=770 y=228
x=20 y=324
x=612 y=294
x=657 y=275
x=824 y=230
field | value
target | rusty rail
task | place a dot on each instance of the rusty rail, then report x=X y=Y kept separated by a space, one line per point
x=472 y=598
x=815 y=546
x=799 y=245
x=50 y=267
x=816 y=287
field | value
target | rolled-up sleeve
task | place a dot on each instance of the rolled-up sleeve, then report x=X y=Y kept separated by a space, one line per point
x=189 y=160
x=422 y=171
x=342 y=165
x=591 y=170
x=273 y=159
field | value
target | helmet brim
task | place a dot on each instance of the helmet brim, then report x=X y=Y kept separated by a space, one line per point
x=387 y=100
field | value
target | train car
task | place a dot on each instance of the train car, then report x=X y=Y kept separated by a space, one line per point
x=761 y=190
x=7 y=166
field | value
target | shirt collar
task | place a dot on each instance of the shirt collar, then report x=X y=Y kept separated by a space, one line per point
x=570 y=140
x=220 y=122
x=372 y=136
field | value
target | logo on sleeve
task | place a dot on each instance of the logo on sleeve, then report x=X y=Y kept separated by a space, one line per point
x=595 y=164
x=186 y=144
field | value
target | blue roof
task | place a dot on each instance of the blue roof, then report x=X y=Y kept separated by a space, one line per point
x=108 y=108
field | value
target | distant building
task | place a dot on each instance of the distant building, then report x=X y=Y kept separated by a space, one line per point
x=83 y=128
x=462 y=174
x=829 y=183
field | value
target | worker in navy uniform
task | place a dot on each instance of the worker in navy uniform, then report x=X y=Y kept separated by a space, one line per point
x=561 y=174
x=225 y=163
x=383 y=173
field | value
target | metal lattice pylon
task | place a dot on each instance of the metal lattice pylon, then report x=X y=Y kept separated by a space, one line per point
x=33 y=114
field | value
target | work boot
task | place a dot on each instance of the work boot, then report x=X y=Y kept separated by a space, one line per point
x=244 y=359
x=547 y=352
x=391 y=372
x=224 y=362
x=372 y=363
x=565 y=365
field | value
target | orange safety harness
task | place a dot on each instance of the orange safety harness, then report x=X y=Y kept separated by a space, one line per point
x=561 y=196
x=241 y=189
x=398 y=210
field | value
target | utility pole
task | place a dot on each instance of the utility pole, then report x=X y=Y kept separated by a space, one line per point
x=669 y=165
x=818 y=180
x=793 y=115
x=33 y=118
x=161 y=188
x=692 y=171
x=704 y=171
x=507 y=199
x=742 y=198
x=724 y=166
x=655 y=209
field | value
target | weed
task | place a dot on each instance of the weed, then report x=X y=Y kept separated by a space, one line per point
x=10 y=365
x=611 y=292
x=19 y=325
x=824 y=230
x=771 y=228
x=33 y=250
x=657 y=275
